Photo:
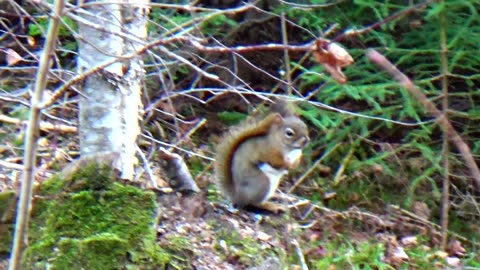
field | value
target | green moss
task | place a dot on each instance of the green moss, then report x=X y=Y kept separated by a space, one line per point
x=7 y=215
x=5 y=201
x=95 y=252
x=6 y=233
x=90 y=221
x=249 y=251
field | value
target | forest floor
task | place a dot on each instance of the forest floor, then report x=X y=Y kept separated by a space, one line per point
x=200 y=231
x=210 y=235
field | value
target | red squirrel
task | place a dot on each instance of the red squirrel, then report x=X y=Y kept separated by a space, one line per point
x=252 y=158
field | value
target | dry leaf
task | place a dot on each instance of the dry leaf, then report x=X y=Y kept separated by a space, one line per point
x=333 y=57
x=31 y=41
x=377 y=168
x=421 y=209
x=441 y=254
x=398 y=256
x=453 y=261
x=12 y=57
x=43 y=142
x=455 y=248
x=329 y=195
x=409 y=241
x=263 y=236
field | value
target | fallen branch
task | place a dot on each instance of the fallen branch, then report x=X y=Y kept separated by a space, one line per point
x=445 y=125
x=44 y=126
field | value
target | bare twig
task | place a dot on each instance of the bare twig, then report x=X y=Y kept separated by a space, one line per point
x=146 y=166
x=384 y=21
x=312 y=168
x=445 y=125
x=301 y=258
x=188 y=135
x=309 y=6
x=263 y=47
x=446 y=150
x=80 y=77
x=240 y=90
x=10 y=165
x=44 y=126
x=30 y=138
x=286 y=57
x=173 y=146
x=339 y=176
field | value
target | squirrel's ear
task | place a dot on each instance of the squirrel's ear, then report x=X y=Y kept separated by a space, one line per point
x=277 y=119
x=283 y=107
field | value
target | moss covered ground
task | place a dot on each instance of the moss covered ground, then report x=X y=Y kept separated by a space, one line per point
x=87 y=220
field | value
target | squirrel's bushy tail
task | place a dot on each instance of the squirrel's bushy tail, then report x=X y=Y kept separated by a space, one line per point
x=223 y=164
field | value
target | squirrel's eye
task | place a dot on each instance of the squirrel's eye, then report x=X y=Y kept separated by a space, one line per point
x=289 y=132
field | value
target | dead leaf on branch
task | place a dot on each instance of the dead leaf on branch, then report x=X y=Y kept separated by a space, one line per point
x=333 y=57
x=12 y=57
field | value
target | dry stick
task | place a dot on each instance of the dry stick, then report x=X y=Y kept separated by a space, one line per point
x=301 y=258
x=446 y=126
x=146 y=166
x=286 y=57
x=388 y=19
x=446 y=150
x=308 y=47
x=341 y=169
x=30 y=138
x=44 y=126
x=312 y=168
x=80 y=77
x=189 y=134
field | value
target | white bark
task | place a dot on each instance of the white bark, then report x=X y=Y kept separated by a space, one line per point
x=110 y=108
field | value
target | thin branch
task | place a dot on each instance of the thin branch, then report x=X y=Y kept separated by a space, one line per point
x=263 y=47
x=286 y=57
x=44 y=126
x=445 y=125
x=80 y=77
x=301 y=258
x=446 y=150
x=219 y=91
x=390 y=18
x=309 y=6
x=30 y=138
x=312 y=168
x=146 y=166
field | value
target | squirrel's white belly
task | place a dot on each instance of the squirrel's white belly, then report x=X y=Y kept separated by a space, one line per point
x=274 y=176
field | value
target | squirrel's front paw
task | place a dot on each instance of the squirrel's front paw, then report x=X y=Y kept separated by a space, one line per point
x=293 y=158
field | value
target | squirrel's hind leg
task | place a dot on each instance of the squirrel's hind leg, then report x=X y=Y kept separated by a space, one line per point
x=254 y=191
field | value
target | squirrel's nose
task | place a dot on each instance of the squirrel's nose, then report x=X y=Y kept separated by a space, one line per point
x=302 y=141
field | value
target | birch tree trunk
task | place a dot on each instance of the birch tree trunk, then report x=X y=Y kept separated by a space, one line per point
x=110 y=104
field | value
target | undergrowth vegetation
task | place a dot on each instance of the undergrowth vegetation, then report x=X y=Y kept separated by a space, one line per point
x=375 y=144
x=379 y=145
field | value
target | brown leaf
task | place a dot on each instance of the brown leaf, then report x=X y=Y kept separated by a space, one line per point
x=398 y=256
x=31 y=40
x=12 y=57
x=263 y=236
x=333 y=57
x=455 y=248
x=453 y=261
x=421 y=209
x=409 y=241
